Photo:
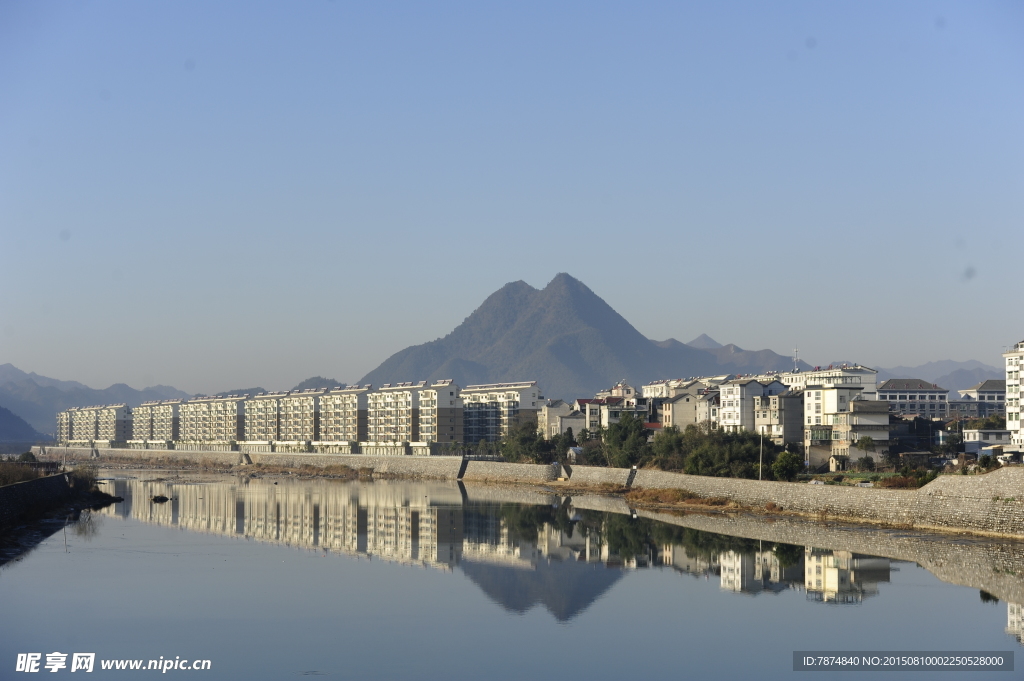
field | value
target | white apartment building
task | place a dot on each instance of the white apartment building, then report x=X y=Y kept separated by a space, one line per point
x=914 y=397
x=737 y=399
x=392 y=413
x=490 y=410
x=343 y=414
x=214 y=423
x=262 y=420
x=549 y=416
x=92 y=426
x=836 y=417
x=1014 y=361
x=440 y=416
x=64 y=427
x=155 y=423
x=853 y=375
x=300 y=416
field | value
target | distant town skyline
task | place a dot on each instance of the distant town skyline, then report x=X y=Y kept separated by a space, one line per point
x=310 y=189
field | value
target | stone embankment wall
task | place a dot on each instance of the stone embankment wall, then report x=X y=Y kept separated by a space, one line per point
x=492 y=471
x=991 y=503
x=31 y=496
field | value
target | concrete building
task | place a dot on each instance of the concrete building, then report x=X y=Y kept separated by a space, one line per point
x=490 y=410
x=103 y=425
x=708 y=408
x=678 y=411
x=213 y=423
x=842 y=576
x=780 y=417
x=155 y=424
x=737 y=397
x=300 y=419
x=853 y=375
x=343 y=415
x=977 y=439
x=441 y=413
x=828 y=428
x=549 y=418
x=990 y=396
x=914 y=397
x=865 y=418
x=393 y=413
x=1014 y=361
x=262 y=421
x=64 y=427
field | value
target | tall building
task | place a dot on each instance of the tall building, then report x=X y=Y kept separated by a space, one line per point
x=990 y=396
x=780 y=417
x=1014 y=361
x=343 y=414
x=213 y=423
x=300 y=415
x=392 y=413
x=263 y=419
x=64 y=427
x=737 y=395
x=90 y=426
x=490 y=410
x=441 y=413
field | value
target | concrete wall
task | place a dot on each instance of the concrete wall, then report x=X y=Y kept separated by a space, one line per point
x=31 y=496
x=596 y=476
x=989 y=503
x=492 y=471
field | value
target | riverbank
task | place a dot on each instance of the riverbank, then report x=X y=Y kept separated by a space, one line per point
x=991 y=504
x=31 y=499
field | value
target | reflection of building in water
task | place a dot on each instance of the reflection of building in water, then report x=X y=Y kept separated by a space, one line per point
x=676 y=557
x=1015 y=621
x=842 y=576
x=757 y=571
x=413 y=525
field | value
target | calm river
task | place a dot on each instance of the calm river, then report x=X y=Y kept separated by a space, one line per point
x=411 y=580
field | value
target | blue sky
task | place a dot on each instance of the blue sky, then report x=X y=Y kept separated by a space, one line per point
x=306 y=188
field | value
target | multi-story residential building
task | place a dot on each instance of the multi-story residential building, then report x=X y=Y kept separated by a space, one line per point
x=990 y=396
x=89 y=426
x=392 y=413
x=914 y=397
x=166 y=416
x=708 y=408
x=1014 y=361
x=780 y=417
x=835 y=374
x=214 y=423
x=441 y=413
x=549 y=416
x=263 y=420
x=737 y=396
x=64 y=434
x=142 y=422
x=300 y=416
x=490 y=410
x=865 y=418
x=677 y=411
x=343 y=414
x=977 y=439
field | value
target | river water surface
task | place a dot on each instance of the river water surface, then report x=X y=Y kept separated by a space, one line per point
x=410 y=580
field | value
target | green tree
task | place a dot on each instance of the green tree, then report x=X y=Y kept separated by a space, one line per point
x=625 y=442
x=524 y=444
x=787 y=466
x=866 y=444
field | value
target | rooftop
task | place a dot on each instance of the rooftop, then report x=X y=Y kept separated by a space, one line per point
x=908 y=384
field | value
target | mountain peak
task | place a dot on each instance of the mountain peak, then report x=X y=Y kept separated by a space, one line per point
x=704 y=342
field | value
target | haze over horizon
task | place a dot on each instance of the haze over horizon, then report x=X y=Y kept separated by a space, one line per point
x=213 y=197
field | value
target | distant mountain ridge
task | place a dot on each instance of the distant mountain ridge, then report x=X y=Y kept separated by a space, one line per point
x=947 y=373
x=13 y=428
x=565 y=337
x=37 y=399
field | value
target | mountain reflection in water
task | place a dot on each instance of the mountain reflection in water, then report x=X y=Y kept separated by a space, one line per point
x=519 y=549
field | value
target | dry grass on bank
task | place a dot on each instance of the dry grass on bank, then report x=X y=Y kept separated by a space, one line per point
x=675 y=496
x=11 y=473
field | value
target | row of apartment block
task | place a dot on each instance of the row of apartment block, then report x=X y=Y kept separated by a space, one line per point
x=440 y=412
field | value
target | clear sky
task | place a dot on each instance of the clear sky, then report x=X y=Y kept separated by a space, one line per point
x=221 y=195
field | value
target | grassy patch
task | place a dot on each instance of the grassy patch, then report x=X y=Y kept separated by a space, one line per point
x=11 y=473
x=674 y=496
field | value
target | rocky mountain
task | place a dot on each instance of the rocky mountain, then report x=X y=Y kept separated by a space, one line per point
x=37 y=399
x=704 y=342
x=318 y=382
x=565 y=337
x=13 y=428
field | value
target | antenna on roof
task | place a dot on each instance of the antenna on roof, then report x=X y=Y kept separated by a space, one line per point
x=796 y=359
